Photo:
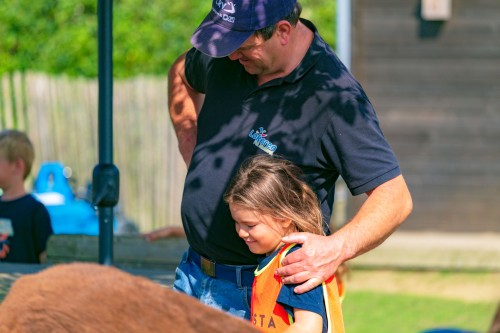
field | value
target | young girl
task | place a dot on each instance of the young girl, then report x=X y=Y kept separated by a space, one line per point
x=268 y=200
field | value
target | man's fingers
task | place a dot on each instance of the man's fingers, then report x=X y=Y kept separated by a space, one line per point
x=296 y=237
x=307 y=286
x=290 y=269
x=304 y=280
x=310 y=265
x=292 y=258
x=297 y=278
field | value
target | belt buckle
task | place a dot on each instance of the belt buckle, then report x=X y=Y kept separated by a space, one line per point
x=208 y=266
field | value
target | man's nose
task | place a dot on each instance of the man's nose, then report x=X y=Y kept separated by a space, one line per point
x=235 y=55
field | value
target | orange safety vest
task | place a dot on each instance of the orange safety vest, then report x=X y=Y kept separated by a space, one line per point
x=270 y=316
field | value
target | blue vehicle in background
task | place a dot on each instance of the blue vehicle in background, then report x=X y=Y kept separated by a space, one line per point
x=70 y=214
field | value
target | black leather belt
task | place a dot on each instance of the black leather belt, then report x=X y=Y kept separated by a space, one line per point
x=239 y=275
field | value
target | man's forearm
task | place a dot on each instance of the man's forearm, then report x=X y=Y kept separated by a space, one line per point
x=386 y=207
x=381 y=214
x=184 y=105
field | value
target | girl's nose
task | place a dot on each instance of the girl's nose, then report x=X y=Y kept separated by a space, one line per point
x=242 y=233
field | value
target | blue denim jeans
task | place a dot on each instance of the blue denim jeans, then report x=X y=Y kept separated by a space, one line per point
x=220 y=294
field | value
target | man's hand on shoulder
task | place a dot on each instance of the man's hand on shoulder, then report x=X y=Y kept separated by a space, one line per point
x=313 y=264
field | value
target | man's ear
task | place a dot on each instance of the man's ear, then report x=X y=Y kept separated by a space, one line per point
x=283 y=31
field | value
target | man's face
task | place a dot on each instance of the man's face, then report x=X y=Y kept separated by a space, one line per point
x=258 y=56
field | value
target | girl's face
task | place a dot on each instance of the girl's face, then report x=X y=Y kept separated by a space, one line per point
x=261 y=232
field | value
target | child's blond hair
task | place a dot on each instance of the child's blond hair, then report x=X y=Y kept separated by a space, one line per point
x=274 y=186
x=16 y=145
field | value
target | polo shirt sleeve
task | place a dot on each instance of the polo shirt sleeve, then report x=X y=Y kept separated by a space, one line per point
x=361 y=153
x=196 y=70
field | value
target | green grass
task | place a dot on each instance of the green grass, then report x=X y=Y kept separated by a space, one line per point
x=370 y=312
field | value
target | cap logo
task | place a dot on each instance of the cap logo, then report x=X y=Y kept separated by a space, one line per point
x=229 y=23
x=223 y=9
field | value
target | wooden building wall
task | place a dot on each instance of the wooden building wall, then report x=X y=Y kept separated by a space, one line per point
x=436 y=88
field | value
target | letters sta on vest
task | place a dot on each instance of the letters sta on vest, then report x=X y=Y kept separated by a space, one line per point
x=270 y=316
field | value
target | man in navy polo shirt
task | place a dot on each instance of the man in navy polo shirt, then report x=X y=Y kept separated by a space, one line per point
x=259 y=80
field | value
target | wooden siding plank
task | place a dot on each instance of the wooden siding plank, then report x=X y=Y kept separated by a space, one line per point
x=438 y=100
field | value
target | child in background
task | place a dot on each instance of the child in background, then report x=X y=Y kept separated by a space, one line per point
x=268 y=200
x=24 y=222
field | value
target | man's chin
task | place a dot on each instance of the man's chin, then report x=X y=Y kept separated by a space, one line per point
x=250 y=70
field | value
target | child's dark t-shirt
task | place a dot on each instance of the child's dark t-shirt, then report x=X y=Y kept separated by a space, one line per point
x=31 y=227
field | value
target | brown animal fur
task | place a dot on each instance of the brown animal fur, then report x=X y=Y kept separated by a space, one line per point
x=93 y=298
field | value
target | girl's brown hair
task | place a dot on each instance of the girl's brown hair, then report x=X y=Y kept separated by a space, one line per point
x=274 y=186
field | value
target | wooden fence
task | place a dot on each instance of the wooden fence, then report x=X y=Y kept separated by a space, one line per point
x=60 y=116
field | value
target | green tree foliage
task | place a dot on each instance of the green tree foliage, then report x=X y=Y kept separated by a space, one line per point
x=60 y=36
x=25 y=27
x=72 y=46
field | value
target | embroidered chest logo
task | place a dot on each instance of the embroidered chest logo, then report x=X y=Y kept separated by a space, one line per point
x=260 y=141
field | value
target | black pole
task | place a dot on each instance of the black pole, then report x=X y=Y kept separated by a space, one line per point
x=105 y=49
x=105 y=181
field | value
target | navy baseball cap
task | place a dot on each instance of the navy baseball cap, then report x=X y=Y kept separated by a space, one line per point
x=230 y=23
